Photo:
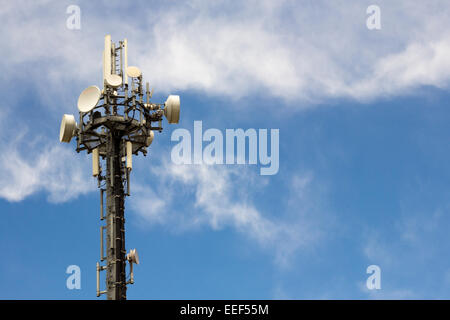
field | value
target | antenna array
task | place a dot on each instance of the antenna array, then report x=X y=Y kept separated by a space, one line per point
x=114 y=124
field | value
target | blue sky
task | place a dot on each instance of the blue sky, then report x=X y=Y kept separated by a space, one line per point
x=363 y=178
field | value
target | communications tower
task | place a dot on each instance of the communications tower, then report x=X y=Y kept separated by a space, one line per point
x=114 y=124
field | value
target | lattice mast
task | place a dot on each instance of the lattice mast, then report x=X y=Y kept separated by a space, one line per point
x=115 y=123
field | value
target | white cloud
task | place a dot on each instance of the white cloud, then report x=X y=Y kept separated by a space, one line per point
x=419 y=64
x=30 y=164
x=52 y=170
x=308 y=51
x=293 y=50
x=222 y=197
x=150 y=206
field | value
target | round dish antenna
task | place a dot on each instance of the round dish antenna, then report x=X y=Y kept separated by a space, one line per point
x=133 y=256
x=113 y=80
x=172 y=109
x=150 y=138
x=133 y=72
x=89 y=98
x=68 y=127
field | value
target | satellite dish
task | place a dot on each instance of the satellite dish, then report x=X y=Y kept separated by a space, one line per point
x=68 y=127
x=113 y=80
x=150 y=138
x=172 y=109
x=133 y=72
x=89 y=98
x=133 y=256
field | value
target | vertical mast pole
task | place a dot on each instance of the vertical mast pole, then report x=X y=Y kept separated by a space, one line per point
x=116 y=253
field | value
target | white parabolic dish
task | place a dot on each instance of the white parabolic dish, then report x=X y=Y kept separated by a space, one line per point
x=133 y=72
x=150 y=138
x=68 y=126
x=114 y=80
x=136 y=256
x=172 y=109
x=89 y=98
x=133 y=256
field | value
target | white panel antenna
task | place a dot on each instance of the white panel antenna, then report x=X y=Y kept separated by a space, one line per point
x=125 y=59
x=129 y=155
x=111 y=79
x=107 y=57
x=95 y=162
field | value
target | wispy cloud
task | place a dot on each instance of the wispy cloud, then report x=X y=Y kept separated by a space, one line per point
x=293 y=50
x=32 y=163
x=193 y=196
x=22 y=176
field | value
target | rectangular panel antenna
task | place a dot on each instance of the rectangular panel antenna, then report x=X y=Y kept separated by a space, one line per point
x=129 y=155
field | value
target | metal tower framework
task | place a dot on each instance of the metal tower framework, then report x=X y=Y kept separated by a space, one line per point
x=114 y=124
